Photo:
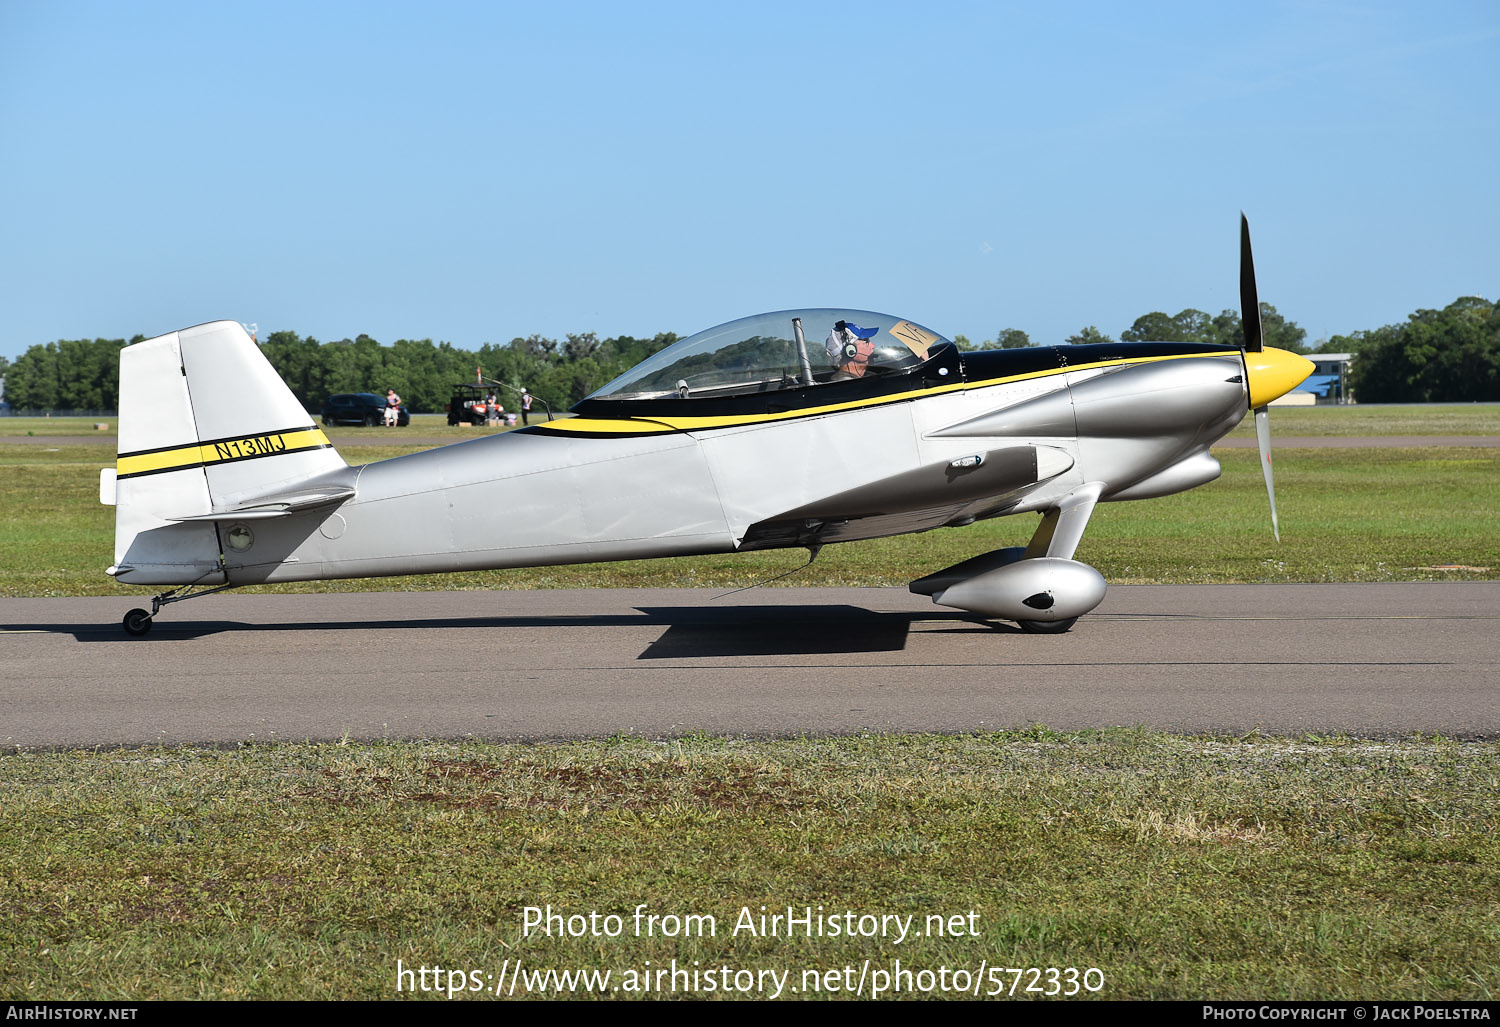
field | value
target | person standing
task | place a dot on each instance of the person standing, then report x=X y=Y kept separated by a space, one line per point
x=525 y=406
x=392 y=408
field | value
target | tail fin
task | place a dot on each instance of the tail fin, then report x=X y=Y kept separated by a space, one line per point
x=207 y=428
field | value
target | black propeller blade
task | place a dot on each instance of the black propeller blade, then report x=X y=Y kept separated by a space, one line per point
x=1255 y=343
x=1255 y=340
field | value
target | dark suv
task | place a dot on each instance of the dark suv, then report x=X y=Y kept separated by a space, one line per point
x=360 y=408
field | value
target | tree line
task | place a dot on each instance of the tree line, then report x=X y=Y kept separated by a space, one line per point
x=559 y=373
x=1189 y=325
x=84 y=374
x=1448 y=355
x=1435 y=356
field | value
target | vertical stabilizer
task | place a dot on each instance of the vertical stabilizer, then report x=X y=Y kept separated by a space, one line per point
x=206 y=425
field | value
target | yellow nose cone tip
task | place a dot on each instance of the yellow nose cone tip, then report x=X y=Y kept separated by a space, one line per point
x=1272 y=373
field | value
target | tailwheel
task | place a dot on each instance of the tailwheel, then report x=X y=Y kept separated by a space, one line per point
x=138 y=621
x=1047 y=627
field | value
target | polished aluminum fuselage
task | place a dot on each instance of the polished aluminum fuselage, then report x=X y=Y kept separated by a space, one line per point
x=1135 y=427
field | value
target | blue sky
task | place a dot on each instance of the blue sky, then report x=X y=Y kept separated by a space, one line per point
x=472 y=172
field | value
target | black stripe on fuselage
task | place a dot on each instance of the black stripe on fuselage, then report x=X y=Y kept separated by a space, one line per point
x=973 y=368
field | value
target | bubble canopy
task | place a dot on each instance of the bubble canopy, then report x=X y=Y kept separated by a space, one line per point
x=783 y=350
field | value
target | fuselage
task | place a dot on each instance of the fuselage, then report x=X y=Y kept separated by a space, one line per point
x=961 y=438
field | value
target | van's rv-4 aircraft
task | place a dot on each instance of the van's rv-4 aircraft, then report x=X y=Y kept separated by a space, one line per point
x=794 y=429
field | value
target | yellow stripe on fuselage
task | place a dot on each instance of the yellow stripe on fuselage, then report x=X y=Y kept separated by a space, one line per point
x=220 y=451
x=609 y=426
x=657 y=424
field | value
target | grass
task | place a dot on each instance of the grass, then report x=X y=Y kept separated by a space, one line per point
x=1417 y=419
x=1180 y=868
x=27 y=426
x=1360 y=514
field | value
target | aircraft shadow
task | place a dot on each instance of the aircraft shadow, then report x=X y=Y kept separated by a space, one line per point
x=776 y=631
x=691 y=631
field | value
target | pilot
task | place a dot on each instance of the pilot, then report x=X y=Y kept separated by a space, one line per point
x=849 y=350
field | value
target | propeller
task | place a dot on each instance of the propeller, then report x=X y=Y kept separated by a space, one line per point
x=1255 y=342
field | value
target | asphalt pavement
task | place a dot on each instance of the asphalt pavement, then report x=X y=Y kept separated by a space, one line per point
x=1373 y=660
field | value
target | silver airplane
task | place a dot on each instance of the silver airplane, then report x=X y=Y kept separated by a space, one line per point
x=793 y=429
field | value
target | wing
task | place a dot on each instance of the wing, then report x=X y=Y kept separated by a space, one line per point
x=956 y=492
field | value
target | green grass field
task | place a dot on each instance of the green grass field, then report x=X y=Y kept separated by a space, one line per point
x=1177 y=868
x=1186 y=868
x=1352 y=421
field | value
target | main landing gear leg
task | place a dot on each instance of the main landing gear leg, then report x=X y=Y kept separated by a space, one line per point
x=138 y=621
x=1058 y=535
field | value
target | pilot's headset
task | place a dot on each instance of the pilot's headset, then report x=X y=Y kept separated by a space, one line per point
x=849 y=337
x=850 y=343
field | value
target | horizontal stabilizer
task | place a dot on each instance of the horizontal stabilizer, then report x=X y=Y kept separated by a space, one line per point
x=278 y=506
